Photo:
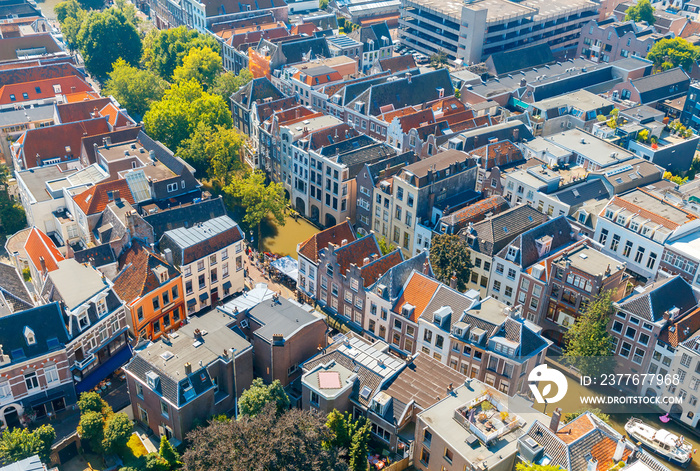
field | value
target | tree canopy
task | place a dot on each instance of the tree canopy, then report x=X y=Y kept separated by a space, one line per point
x=71 y=16
x=676 y=52
x=588 y=344
x=259 y=199
x=19 y=443
x=201 y=64
x=12 y=217
x=641 y=11
x=228 y=83
x=292 y=441
x=254 y=399
x=528 y=466
x=165 y=50
x=214 y=152
x=105 y=37
x=135 y=89
x=450 y=255
x=183 y=107
x=117 y=430
x=385 y=246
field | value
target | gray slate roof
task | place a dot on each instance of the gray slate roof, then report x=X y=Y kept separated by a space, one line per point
x=663 y=85
x=395 y=278
x=579 y=194
x=494 y=233
x=660 y=297
x=522 y=58
x=193 y=243
x=559 y=229
x=13 y=289
x=49 y=331
x=185 y=216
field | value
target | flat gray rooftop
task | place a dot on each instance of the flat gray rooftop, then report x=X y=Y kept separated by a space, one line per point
x=589 y=260
x=593 y=148
x=35 y=180
x=9 y=117
x=217 y=334
x=76 y=282
x=580 y=99
x=282 y=317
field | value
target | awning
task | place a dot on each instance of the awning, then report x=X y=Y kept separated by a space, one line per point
x=191 y=302
x=203 y=296
x=287 y=266
x=105 y=369
x=54 y=394
x=227 y=285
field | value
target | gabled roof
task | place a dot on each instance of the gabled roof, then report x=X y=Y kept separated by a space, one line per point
x=675 y=333
x=304 y=50
x=39 y=246
x=659 y=298
x=355 y=252
x=417 y=292
x=397 y=63
x=256 y=91
x=372 y=34
x=98 y=256
x=494 y=233
x=20 y=73
x=203 y=239
x=336 y=234
x=80 y=110
x=185 y=216
x=558 y=229
x=476 y=212
x=579 y=194
x=376 y=268
x=59 y=141
x=42 y=89
x=662 y=85
x=13 y=289
x=498 y=154
x=49 y=332
x=95 y=199
x=137 y=277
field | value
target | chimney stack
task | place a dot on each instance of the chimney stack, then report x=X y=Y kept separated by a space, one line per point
x=426 y=267
x=188 y=368
x=42 y=262
x=453 y=280
x=619 y=449
x=556 y=418
x=116 y=195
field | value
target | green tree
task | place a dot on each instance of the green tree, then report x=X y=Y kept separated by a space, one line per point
x=164 y=50
x=214 y=152
x=290 y=441
x=675 y=52
x=359 y=448
x=450 y=256
x=12 y=217
x=254 y=399
x=385 y=246
x=677 y=179
x=129 y=10
x=641 y=11
x=183 y=107
x=91 y=429
x=168 y=453
x=339 y=424
x=527 y=466
x=588 y=343
x=259 y=199
x=71 y=16
x=643 y=135
x=594 y=410
x=438 y=60
x=135 y=89
x=117 y=431
x=154 y=462
x=92 y=4
x=19 y=443
x=229 y=83
x=201 y=64
x=105 y=37
x=322 y=4
x=92 y=402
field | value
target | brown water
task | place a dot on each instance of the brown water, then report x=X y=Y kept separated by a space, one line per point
x=47 y=8
x=283 y=240
x=571 y=403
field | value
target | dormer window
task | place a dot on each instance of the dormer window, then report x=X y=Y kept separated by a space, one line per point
x=634 y=226
x=407 y=310
x=621 y=219
x=153 y=380
x=101 y=307
x=29 y=336
x=544 y=245
x=512 y=253
x=83 y=320
x=609 y=214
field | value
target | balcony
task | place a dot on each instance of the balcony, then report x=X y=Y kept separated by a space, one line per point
x=84 y=363
x=487 y=419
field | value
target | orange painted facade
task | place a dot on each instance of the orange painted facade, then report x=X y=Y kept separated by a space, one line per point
x=150 y=322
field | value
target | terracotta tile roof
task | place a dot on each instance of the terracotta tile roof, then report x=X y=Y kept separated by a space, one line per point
x=82 y=96
x=398 y=63
x=136 y=277
x=390 y=115
x=576 y=429
x=416 y=120
x=52 y=142
x=682 y=330
x=39 y=245
x=691 y=28
x=603 y=452
x=115 y=117
x=418 y=292
x=80 y=110
x=356 y=251
x=94 y=200
x=336 y=234
x=373 y=270
x=497 y=154
x=42 y=89
x=304 y=28
x=33 y=71
x=477 y=211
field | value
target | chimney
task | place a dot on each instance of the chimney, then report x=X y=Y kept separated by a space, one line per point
x=619 y=450
x=592 y=464
x=168 y=255
x=453 y=280
x=365 y=261
x=556 y=417
x=343 y=242
x=116 y=195
x=188 y=368
x=408 y=77
x=42 y=262
x=426 y=267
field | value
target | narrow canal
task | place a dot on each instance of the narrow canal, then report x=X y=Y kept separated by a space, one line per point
x=571 y=403
x=283 y=240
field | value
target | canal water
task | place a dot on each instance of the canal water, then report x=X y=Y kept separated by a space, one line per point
x=571 y=403
x=283 y=240
x=47 y=8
